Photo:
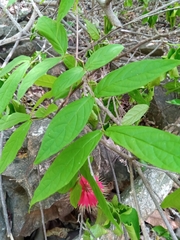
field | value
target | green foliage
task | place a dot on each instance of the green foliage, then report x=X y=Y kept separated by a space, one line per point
x=107 y=25
x=45 y=81
x=75 y=195
x=134 y=114
x=102 y=202
x=9 y=121
x=13 y=145
x=172 y=14
x=103 y=56
x=9 y=87
x=154 y=146
x=172 y=200
x=66 y=165
x=92 y=30
x=38 y=71
x=65 y=81
x=65 y=136
x=133 y=76
x=64 y=127
x=162 y=232
x=64 y=8
x=54 y=32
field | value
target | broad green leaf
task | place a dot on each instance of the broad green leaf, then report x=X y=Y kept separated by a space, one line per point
x=13 y=145
x=101 y=200
x=75 y=195
x=64 y=127
x=131 y=222
x=54 y=32
x=103 y=56
x=66 y=165
x=172 y=200
x=11 y=84
x=15 y=62
x=92 y=30
x=133 y=76
x=134 y=114
x=46 y=81
x=69 y=61
x=154 y=146
x=36 y=72
x=64 y=8
x=13 y=119
x=47 y=95
x=66 y=79
x=43 y=112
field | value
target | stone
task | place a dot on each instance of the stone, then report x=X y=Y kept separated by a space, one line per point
x=161 y=112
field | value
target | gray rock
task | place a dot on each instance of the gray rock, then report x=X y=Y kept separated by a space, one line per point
x=161 y=112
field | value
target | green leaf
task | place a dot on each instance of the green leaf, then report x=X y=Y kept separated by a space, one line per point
x=54 y=32
x=131 y=222
x=107 y=25
x=92 y=30
x=66 y=79
x=133 y=76
x=75 y=195
x=134 y=114
x=18 y=107
x=136 y=95
x=172 y=200
x=97 y=230
x=13 y=119
x=101 y=200
x=154 y=146
x=64 y=8
x=36 y=72
x=11 y=84
x=162 y=232
x=69 y=61
x=15 y=62
x=70 y=185
x=46 y=81
x=174 y=101
x=66 y=165
x=64 y=127
x=47 y=95
x=43 y=112
x=103 y=56
x=13 y=145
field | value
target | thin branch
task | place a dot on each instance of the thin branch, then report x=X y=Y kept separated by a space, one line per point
x=143 y=227
x=16 y=24
x=150 y=190
x=174 y=178
x=36 y=8
x=5 y=214
x=41 y=209
x=22 y=32
x=11 y=52
x=114 y=175
x=99 y=103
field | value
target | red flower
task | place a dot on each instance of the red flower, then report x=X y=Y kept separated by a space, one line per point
x=88 y=199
